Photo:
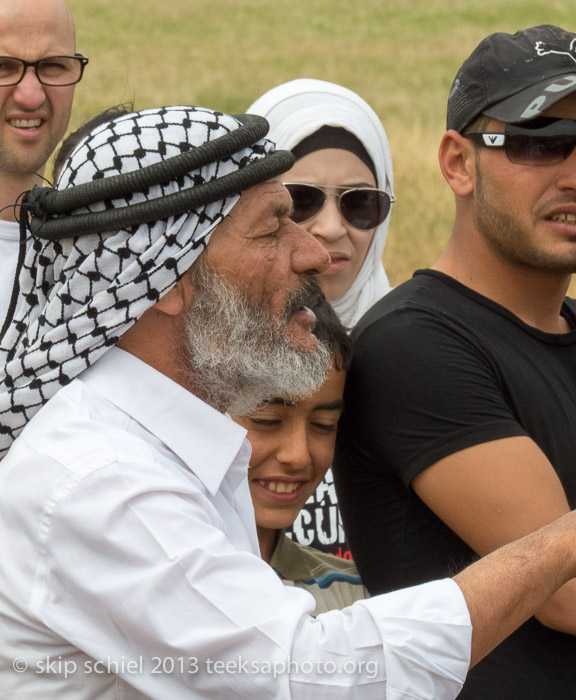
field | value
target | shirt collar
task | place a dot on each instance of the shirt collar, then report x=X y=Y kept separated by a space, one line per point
x=207 y=441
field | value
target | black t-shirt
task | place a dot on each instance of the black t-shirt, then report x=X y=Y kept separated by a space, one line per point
x=319 y=523
x=438 y=368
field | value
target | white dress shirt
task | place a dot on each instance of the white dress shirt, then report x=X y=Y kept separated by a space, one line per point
x=130 y=568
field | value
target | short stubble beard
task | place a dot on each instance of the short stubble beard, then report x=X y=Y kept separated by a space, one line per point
x=238 y=354
x=510 y=240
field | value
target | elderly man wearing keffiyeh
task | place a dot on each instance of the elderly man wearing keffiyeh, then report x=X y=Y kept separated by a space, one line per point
x=166 y=284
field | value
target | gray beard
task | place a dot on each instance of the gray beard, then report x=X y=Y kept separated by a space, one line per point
x=238 y=354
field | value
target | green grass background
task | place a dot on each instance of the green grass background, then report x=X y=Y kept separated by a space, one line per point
x=400 y=56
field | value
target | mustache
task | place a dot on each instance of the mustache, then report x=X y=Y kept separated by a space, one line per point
x=309 y=294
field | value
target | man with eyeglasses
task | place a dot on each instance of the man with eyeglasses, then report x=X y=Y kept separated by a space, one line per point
x=459 y=432
x=38 y=72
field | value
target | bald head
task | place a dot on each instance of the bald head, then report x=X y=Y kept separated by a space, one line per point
x=23 y=22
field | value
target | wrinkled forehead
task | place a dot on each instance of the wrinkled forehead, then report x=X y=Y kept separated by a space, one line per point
x=132 y=142
x=259 y=209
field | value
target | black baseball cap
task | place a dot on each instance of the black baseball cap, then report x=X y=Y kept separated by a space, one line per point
x=514 y=77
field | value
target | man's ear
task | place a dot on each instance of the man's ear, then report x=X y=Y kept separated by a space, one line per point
x=458 y=163
x=177 y=299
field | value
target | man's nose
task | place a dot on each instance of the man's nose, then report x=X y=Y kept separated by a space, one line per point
x=309 y=255
x=29 y=93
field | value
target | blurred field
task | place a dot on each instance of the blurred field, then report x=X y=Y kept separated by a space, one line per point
x=400 y=56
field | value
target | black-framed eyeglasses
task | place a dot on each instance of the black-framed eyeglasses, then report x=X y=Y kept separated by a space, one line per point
x=362 y=207
x=55 y=71
x=542 y=141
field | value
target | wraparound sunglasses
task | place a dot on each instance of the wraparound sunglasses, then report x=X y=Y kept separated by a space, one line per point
x=542 y=141
x=362 y=207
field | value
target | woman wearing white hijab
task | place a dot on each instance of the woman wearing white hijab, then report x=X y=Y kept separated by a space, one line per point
x=297 y=111
x=339 y=142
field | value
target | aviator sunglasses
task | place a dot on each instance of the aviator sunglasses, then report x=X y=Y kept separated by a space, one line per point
x=542 y=141
x=362 y=207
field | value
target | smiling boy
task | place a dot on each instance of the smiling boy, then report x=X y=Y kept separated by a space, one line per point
x=292 y=448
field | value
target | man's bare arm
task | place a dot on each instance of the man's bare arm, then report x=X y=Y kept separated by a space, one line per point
x=504 y=589
x=497 y=492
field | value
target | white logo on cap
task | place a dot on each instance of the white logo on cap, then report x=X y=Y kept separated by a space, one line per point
x=566 y=82
x=541 y=51
x=539 y=104
x=455 y=87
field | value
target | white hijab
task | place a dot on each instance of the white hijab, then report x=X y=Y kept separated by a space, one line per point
x=298 y=109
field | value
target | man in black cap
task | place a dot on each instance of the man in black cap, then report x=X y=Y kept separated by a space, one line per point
x=459 y=432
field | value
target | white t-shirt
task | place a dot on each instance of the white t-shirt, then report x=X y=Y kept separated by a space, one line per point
x=9 y=237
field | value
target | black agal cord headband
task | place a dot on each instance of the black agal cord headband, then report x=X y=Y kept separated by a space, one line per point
x=46 y=205
x=139 y=198
x=46 y=212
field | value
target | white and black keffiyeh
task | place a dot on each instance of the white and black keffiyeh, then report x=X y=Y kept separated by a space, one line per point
x=79 y=295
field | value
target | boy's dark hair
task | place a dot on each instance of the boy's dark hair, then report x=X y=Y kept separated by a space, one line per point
x=329 y=330
x=74 y=138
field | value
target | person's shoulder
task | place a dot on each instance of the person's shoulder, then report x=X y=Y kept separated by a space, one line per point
x=333 y=582
x=81 y=431
x=413 y=313
x=423 y=293
x=571 y=304
x=298 y=562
